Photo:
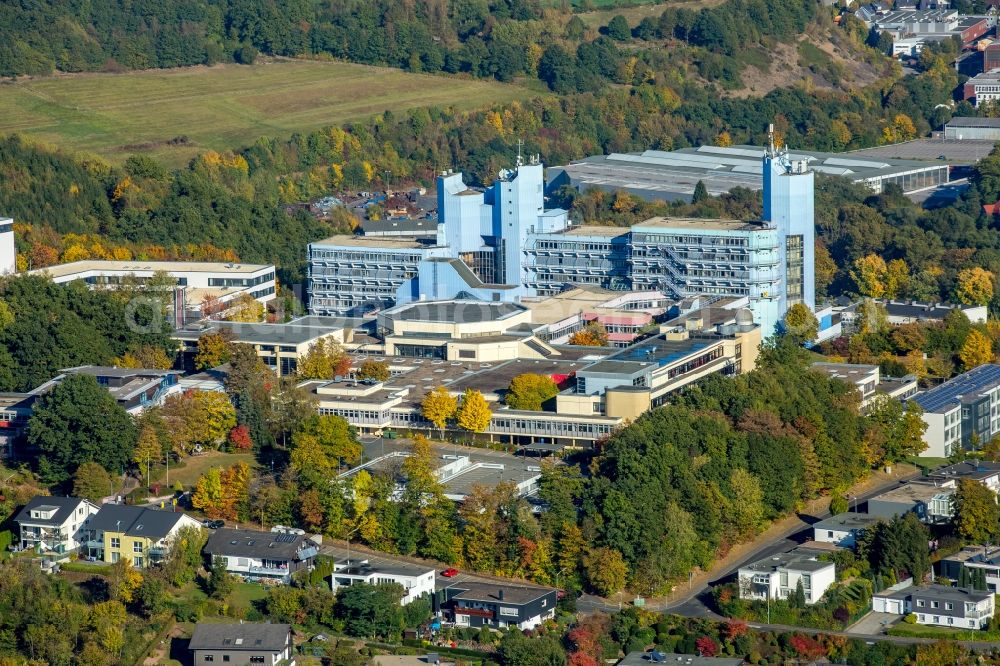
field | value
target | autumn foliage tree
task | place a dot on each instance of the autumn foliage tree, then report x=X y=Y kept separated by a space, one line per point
x=976 y=351
x=375 y=370
x=324 y=360
x=246 y=309
x=473 y=413
x=239 y=438
x=529 y=390
x=213 y=350
x=223 y=493
x=438 y=407
x=593 y=334
x=974 y=286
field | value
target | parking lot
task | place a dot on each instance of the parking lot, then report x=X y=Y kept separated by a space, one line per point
x=951 y=151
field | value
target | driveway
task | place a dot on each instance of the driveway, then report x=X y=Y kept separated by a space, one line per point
x=873 y=624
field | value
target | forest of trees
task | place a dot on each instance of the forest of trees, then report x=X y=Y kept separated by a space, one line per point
x=484 y=38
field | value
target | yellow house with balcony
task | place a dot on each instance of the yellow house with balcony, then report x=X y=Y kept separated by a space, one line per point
x=139 y=535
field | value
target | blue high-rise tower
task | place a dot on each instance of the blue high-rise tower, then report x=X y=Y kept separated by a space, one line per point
x=789 y=205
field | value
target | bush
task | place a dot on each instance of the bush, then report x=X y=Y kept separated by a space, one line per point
x=245 y=55
x=910 y=619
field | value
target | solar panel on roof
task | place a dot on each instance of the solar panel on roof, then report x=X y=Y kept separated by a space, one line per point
x=286 y=538
x=951 y=392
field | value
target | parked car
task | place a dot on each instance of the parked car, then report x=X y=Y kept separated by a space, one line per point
x=214 y=524
x=448 y=573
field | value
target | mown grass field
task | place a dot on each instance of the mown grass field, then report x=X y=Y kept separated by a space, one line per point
x=225 y=106
x=604 y=11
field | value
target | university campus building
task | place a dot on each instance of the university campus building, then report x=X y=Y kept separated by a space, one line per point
x=502 y=245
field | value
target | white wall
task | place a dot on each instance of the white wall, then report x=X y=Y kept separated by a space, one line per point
x=8 y=255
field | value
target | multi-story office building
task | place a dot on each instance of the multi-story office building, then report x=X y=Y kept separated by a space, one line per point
x=354 y=275
x=501 y=244
x=963 y=412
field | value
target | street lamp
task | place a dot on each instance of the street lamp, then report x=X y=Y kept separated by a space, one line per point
x=349 y=534
x=559 y=573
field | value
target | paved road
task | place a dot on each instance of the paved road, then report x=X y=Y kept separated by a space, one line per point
x=696 y=602
x=941 y=196
x=979 y=646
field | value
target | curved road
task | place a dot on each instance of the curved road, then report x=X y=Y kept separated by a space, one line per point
x=693 y=603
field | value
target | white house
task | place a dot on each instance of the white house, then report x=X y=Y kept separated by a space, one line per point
x=939 y=605
x=843 y=529
x=55 y=523
x=416 y=580
x=778 y=577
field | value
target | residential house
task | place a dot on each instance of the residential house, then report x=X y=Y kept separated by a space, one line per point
x=415 y=580
x=54 y=524
x=930 y=501
x=496 y=605
x=939 y=605
x=843 y=529
x=243 y=644
x=256 y=555
x=778 y=577
x=981 y=471
x=974 y=558
x=142 y=536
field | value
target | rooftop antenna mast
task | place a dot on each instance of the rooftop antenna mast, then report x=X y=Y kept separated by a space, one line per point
x=520 y=161
x=770 y=139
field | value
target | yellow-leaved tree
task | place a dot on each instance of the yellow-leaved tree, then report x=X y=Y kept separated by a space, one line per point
x=593 y=334
x=247 y=309
x=439 y=406
x=474 y=414
x=975 y=286
x=869 y=274
x=324 y=360
x=977 y=350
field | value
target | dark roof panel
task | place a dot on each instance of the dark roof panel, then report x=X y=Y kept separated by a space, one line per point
x=64 y=507
x=244 y=636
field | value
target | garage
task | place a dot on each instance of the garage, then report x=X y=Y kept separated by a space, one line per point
x=887 y=605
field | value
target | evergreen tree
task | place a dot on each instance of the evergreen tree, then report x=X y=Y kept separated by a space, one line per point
x=964 y=580
x=250 y=414
x=700 y=193
x=800 y=595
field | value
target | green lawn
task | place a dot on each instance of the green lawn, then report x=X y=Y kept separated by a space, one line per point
x=926 y=631
x=220 y=107
x=192 y=467
x=926 y=464
x=245 y=593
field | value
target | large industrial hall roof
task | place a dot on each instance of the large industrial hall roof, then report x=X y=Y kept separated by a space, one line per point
x=658 y=174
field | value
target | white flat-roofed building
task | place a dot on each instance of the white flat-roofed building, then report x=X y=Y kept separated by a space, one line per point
x=869 y=381
x=280 y=346
x=203 y=284
x=415 y=580
x=843 y=529
x=778 y=577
